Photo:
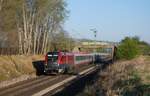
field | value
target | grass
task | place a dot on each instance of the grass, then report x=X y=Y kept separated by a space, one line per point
x=16 y=65
x=148 y=77
x=124 y=78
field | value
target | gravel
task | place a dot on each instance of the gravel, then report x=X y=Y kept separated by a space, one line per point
x=16 y=80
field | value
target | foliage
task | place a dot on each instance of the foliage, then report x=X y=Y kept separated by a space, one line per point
x=132 y=86
x=128 y=48
x=144 y=48
x=63 y=41
x=32 y=25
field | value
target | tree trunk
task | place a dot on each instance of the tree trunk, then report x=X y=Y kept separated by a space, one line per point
x=1 y=4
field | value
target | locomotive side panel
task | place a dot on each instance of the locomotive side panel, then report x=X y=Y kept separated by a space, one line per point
x=67 y=59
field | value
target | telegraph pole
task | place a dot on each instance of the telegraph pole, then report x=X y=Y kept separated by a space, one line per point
x=95 y=35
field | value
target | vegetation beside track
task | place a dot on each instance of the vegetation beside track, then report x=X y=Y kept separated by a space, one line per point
x=17 y=65
x=131 y=47
x=124 y=78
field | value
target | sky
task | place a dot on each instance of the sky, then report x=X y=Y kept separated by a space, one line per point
x=113 y=19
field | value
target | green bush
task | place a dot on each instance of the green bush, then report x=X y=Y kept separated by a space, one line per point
x=144 y=48
x=128 y=48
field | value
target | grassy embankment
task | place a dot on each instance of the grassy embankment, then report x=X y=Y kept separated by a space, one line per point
x=124 y=78
x=17 y=65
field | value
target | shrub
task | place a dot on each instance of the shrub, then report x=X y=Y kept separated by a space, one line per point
x=145 y=48
x=128 y=48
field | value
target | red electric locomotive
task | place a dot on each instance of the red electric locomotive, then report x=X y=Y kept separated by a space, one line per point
x=61 y=62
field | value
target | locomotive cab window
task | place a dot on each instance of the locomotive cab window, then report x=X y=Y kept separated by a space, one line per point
x=52 y=56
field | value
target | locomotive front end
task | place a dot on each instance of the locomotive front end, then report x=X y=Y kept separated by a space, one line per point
x=51 y=62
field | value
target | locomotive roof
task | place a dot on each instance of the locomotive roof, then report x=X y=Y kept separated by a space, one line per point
x=56 y=52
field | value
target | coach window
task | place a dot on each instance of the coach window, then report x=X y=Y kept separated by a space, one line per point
x=78 y=58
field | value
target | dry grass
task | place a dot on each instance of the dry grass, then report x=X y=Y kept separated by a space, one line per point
x=124 y=78
x=16 y=65
x=127 y=78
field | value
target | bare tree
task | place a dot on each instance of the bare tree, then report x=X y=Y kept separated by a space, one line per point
x=3 y=39
x=1 y=3
x=35 y=28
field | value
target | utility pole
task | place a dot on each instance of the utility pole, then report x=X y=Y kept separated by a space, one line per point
x=95 y=35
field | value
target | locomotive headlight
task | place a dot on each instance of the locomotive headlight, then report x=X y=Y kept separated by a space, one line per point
x=56 y=63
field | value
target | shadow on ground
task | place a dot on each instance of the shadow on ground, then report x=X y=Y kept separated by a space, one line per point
x=132 y=87
x=39 y=66
x=76 y=88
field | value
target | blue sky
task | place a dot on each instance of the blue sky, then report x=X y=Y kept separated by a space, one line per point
x=113 y=19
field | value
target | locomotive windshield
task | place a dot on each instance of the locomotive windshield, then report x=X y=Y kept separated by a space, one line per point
x=52 y=56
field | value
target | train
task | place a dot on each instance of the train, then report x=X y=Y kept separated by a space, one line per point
x=62 y=62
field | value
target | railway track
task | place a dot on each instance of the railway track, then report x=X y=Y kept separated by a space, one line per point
x=29 y=87
x=41 y=85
